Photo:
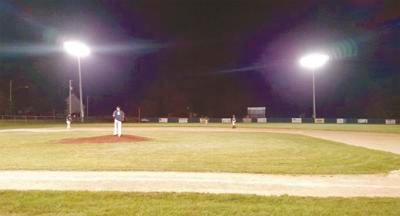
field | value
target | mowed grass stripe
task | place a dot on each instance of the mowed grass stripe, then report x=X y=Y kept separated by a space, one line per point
x=200 y=152
x=14 y=203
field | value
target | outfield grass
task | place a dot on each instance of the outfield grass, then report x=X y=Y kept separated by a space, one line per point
x=115 y=203
x=380 y=128
x=193 y=151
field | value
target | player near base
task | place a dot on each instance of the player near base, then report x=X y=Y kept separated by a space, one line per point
x=233 y=121
x=119 y=117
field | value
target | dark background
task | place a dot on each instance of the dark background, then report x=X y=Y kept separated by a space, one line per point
x=210 y=57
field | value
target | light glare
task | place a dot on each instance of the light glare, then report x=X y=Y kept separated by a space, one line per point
x=314 y=60
x=76 y=48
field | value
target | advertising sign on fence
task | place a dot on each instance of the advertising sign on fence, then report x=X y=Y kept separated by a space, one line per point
x=204 y=120
x=262 y=120
x=319 y=121
x=183 y=120
x=296 y=120
x=163 y=120
x=226 y=120
x=340 y=121
x=246 y=120
x=390 y=121
x=362 y=121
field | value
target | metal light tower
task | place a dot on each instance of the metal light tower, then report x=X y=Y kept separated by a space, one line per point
x=70 y=97
x=78 y=50
x=312 y=62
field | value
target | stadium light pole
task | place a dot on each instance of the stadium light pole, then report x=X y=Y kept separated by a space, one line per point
x=312 y=62
x=78 y=50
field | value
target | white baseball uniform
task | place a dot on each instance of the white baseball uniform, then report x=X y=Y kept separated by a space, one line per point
x=119 y=116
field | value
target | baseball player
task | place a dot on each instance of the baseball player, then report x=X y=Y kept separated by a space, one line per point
x=119 y=117
x=68 y=120
x=233 y=121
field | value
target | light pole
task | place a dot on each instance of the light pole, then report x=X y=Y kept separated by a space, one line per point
x=70 y=97
x=78 y=50
x=11 y=98
x=312 y=62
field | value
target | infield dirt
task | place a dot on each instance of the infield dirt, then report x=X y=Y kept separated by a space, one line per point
x=104 y=139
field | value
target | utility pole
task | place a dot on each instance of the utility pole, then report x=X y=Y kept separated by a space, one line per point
x=10 y=99
x=87 y=106
x=139 y=114
x=80 y=91
x=70 y=98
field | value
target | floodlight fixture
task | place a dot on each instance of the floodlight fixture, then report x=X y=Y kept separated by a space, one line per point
x=314 y=60
x=77 y=48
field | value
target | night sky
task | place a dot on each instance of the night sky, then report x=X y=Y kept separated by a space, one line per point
x=210 y=57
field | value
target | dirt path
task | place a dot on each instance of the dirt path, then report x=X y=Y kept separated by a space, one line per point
x=377 y=141
x=301 y=185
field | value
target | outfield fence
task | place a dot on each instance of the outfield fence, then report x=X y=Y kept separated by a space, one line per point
x=227 y=120
x=27 y=117
x=275 y=120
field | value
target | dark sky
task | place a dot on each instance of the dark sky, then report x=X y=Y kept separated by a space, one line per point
x=211 y=57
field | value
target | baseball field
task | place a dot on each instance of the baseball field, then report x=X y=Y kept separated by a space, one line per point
x=197 y=169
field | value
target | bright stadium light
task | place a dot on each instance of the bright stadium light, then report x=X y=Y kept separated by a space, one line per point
x=78 y=50
x=312 y=62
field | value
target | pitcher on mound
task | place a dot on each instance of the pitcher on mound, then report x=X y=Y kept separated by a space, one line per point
x=119 y=117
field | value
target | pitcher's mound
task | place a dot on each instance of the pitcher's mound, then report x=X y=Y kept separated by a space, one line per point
x=104 y=139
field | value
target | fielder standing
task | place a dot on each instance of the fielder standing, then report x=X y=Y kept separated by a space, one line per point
x=68 y=120
x=233 y=120
x=119 y=117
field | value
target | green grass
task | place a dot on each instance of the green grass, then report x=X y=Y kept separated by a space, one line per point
x=193 y=151
x=380 y=128
x=114 y=203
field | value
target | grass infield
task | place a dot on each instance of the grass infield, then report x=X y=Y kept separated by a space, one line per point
x=193 y=151
x=115 y=203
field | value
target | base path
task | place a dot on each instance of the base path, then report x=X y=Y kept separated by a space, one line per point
x=260 y=184
x=378 y=141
